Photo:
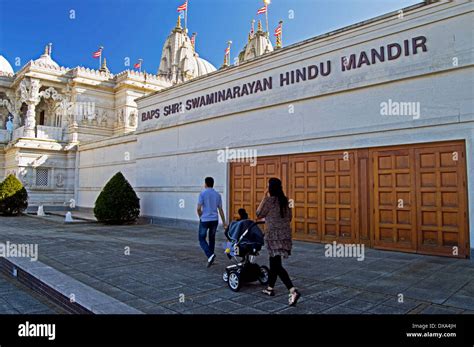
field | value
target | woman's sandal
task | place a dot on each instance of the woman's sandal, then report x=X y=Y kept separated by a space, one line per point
x=269 y=292
x=293 y=298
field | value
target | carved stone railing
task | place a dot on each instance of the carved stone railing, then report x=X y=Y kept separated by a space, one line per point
x=4 y=135
x=18 y=133
x=49 y=133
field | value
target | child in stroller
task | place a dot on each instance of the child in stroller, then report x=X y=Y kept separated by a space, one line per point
x=245 y=241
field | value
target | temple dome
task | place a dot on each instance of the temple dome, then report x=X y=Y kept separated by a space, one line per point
x=5 y=67
x=258 y=44
x=45 y=58
x=179 y=61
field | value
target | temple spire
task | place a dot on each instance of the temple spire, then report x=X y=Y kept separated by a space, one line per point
x=104 y=67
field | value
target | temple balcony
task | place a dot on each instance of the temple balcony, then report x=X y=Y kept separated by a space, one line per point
x=49 y=133
x=42 y=132
x=4 y=135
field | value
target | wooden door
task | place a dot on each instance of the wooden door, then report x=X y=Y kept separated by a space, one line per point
x=394 y=210
x=339 y=197
x=441 y=200
x=305 y=194
x=241 y=188
x=265 y=169
x=248 y=184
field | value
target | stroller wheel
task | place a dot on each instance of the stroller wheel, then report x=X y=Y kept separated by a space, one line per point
x=225 y=276
x=234 y=281
x=264 y=273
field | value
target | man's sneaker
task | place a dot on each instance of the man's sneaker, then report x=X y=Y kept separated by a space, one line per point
x=211 y=260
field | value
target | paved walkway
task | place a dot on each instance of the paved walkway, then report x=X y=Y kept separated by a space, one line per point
x=165 y=266
x=15 y=299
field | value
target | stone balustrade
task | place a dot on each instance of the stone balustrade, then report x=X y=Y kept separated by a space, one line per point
x=4 y=135
x=18 y=133
x=49 y=133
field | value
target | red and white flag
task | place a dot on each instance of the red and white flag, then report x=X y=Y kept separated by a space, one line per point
x=97 y=54
x=278 y=30
x=138 y=65
x=183 y=7
x=262 y=10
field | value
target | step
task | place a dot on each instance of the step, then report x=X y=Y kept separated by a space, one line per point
x=65 y=291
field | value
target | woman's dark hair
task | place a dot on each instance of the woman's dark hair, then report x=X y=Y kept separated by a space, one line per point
x=275 y=189
x=243 y=214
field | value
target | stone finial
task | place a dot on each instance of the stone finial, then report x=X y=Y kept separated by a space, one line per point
x=259 y=26
x=178 y=23
x=104 y=67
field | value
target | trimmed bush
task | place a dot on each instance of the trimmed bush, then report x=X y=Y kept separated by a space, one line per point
x=117 y=203
x=13 y=196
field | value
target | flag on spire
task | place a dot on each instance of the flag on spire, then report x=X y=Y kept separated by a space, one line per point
x=279 y=34
x=138 y=65
x=227 y=54
x=98 y=53
x=262 y=10
x=278 y=30
x=183 y=7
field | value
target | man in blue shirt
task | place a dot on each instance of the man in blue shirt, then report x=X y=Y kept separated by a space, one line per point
x=210 y=202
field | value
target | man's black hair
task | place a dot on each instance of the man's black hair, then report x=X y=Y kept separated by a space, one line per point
x=209 y=182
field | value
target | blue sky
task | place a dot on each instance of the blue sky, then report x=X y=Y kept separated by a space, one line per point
x=138 y=28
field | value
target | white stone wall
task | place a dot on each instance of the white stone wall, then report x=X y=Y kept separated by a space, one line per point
x=173 y=154
x=98 y=163
x=172 y=162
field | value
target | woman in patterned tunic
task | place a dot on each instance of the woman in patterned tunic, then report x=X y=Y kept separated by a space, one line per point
x=274 y=208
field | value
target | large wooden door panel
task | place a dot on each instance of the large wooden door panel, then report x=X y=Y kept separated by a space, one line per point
x=248 y=184
x=241 y=189
x=411 y=198
x=305 y=193
x=265 y=169
x=338 y=197
x=394 y=214
x=441 y=200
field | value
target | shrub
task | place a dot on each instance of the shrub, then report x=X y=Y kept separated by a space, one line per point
x=117 y=203
x=13 y=196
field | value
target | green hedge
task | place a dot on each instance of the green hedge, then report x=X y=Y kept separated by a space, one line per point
x=13 y=196
x=117 y=203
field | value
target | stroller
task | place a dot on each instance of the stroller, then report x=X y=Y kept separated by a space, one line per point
x=245 y=241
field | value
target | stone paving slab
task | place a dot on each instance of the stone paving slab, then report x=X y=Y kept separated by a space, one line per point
x=164 y=272
x=18 y=299
x=84 y=295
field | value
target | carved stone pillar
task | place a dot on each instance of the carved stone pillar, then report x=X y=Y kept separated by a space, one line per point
x=31 y=97
x=30 y=122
